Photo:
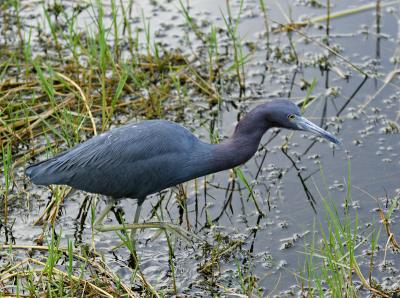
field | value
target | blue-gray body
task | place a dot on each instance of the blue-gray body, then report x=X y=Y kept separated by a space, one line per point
x=130 y=161
x=134 y=160
x=139 y=159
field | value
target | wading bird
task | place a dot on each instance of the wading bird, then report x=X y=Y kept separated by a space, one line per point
x=139 y=159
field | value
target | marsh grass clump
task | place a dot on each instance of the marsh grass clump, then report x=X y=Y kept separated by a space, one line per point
x=66 y=82
x=342 y=262
x=53 y=271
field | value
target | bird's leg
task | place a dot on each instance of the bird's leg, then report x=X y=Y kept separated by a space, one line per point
x=99 y=220
x=133 y=231
x=186 y=235
x=136 y=219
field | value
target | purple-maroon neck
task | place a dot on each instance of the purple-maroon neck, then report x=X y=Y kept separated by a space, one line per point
x=234 y=151
x=243 y=144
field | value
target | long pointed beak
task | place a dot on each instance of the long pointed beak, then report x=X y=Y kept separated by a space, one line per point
x=307 y=125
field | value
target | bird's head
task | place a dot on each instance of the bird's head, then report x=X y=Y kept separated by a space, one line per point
x=286 y=114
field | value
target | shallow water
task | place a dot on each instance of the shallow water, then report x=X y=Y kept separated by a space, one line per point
x=273 y=245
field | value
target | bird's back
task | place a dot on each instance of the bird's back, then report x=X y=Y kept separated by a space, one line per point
x=133 y=160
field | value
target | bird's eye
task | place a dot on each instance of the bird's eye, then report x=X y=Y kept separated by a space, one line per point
x=291 y=116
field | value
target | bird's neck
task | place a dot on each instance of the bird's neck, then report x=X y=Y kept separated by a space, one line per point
x=242 y=145
x=234 y=151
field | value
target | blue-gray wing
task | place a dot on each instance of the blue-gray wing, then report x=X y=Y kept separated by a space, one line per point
x=130 y=161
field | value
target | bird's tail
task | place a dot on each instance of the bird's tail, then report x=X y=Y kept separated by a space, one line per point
x=44 y=172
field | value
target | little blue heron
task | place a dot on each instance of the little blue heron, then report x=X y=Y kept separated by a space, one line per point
x=136 y=160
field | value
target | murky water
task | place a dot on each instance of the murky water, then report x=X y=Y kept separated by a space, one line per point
x=273 y=245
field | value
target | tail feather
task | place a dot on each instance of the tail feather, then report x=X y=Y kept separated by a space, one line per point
x=46 y=173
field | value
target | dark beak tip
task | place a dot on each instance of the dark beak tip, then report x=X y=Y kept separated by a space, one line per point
x=339 y=143
x=335 y=141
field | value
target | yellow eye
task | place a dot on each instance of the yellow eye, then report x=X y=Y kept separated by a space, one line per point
x=291 y=116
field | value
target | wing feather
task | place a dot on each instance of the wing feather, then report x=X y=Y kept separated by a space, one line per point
x=128 y=160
